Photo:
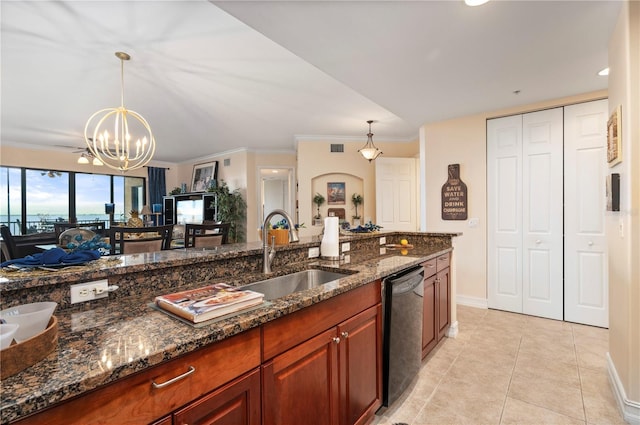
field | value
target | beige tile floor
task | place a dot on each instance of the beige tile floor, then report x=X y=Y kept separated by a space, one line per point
x=506 y=368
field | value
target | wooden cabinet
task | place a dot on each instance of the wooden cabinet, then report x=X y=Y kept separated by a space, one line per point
x=136 y=400
x=437 y=302
x=237 y=403
x=360 y=366
x=333 y=377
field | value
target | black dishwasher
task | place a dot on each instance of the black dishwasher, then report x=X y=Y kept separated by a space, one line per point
x=402 y=338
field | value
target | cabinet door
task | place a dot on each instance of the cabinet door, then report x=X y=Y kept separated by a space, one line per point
x=429 y=330
x=237 y=403
x=360 y=367
x=443 y=294
x=300 y=386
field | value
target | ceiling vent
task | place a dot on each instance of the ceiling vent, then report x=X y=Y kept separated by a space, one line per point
x=337 y=147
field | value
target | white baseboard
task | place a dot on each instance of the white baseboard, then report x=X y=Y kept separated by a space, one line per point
x=472 y=301
x=630 y=409
x=452 y=332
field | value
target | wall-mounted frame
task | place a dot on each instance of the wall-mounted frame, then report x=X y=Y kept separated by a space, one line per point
x=203 y=175
x=336 y=193
x=613 y=192
x=614 y=137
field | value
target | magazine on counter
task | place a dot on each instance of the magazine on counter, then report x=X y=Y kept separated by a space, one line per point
x=208 y=302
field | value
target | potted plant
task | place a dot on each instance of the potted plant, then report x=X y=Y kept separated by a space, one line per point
x=318 y=199
x=356 y=199
x=231 y=208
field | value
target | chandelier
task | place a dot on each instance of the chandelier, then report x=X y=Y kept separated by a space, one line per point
x=117 y=150
x=369 y=150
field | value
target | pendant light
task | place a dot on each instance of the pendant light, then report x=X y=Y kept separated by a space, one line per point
x=369 y=150
x=109 y=134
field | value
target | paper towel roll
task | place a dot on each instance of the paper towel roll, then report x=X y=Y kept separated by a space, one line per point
x=329 y=247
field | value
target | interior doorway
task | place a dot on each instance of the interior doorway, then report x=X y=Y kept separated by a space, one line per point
x=276 y=191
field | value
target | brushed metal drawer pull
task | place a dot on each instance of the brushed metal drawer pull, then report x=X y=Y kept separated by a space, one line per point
x=336 y=340
x=172 y=380
x=345 y=334
x=430 y=266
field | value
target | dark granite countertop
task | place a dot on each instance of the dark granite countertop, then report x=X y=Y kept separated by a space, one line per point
x=103 y=343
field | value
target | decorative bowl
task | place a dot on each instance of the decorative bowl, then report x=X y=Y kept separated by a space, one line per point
x=32 y=318
x=7 y=331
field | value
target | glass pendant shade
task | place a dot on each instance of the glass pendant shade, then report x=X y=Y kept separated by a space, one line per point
x=369 y=150
x=110 y=134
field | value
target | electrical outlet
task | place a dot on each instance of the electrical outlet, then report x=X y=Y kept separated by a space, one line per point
x=383 y=240
x=88 y=291
x=314 y=252
x=346 y=247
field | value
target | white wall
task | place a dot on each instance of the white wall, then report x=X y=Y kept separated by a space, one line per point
x=623 y=227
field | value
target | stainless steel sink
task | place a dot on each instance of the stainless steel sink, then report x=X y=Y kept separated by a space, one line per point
x=280 y=286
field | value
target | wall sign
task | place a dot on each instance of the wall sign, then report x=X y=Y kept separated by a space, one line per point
x=454 y=196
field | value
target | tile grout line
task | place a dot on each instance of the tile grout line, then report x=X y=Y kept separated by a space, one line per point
x=575 y=352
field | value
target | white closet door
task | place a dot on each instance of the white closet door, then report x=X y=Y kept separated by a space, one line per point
x=396 y=194
x=504 y=205
x=542 y=208
x=586 y=284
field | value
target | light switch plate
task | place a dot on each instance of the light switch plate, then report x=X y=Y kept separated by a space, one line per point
x=383 y=240
x=346 y=246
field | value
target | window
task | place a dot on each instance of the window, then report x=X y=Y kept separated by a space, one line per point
x=92 y=192
x=32 y=200
x=47 y=199
x=11 y=202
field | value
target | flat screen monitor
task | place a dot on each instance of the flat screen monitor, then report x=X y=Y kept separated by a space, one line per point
x=189 y=211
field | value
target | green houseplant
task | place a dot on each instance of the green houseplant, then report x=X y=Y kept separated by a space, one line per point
x=318 y=199
x=356 y=199
x=231 y=208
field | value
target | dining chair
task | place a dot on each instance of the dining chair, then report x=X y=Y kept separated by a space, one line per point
x=19 y=246
x=206 y=235
x=97 y=227
x=134 y=240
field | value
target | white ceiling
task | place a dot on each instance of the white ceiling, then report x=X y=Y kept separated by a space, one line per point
x=216 y=76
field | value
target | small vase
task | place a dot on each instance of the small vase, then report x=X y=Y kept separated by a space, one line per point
x=356 y=222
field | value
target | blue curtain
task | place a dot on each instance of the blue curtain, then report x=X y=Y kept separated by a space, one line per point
x=157 y=186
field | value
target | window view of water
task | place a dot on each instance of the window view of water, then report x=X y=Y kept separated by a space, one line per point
x=49 y=199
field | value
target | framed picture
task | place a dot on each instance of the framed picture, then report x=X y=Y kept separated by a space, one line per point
x=614 y=138
x=335 y=193
x=203 y=175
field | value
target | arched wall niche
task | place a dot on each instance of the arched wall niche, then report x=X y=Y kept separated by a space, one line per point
x=352 y=184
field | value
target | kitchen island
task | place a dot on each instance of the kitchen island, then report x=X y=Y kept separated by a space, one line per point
x=105 y=341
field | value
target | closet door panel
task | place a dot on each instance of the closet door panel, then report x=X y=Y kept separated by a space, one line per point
x=586 y=275
x=504 y=202
x=542 y=150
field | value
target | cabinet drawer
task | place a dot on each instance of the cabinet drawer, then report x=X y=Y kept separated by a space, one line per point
x=442 y=262
x=429 y=267
x=134 y=400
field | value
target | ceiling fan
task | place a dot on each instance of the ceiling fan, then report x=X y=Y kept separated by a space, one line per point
x=51 y=173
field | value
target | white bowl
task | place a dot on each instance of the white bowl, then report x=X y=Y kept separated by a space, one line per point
x=32 y=318
x=7 y=331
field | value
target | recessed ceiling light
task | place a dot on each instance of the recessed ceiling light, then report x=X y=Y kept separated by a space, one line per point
x=604 y=72
x=475 y=2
